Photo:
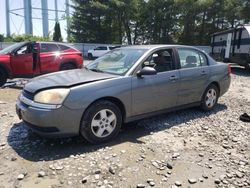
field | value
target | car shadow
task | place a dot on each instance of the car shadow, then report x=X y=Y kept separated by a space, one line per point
x=32 y=147
x=240 y=71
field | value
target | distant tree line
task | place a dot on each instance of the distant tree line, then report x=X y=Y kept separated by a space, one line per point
x=19 y=38
x=154 y=21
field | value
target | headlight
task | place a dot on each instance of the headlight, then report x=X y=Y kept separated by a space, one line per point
x=52 y=96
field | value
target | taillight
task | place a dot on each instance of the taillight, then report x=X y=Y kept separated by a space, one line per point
x=229 y=70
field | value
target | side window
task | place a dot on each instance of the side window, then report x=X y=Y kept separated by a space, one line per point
x=26 y=49
x=203 y=59
x=63 y=47
x=191 y=58
x=49 y=47
x=161 y=61
x=22 y=50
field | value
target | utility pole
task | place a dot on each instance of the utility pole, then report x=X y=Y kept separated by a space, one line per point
x=28 y=16
x=56 y=11
x=45 y=17
x=7 y=10
x=67 y=17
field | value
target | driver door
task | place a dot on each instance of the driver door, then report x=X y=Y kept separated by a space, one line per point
x=22 y=61
x=156 y=92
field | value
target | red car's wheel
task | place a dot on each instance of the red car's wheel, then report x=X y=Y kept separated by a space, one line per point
x=3 y=77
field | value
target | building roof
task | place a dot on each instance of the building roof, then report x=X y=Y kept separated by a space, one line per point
x=246 y=26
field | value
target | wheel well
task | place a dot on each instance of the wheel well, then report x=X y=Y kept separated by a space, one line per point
x=68 y=62
x=217 y=85
x=117 y=102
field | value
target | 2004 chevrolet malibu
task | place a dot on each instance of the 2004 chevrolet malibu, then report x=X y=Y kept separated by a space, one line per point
x=123 y=85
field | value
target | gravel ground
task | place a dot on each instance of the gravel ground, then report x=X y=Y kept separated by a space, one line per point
x=188 y=148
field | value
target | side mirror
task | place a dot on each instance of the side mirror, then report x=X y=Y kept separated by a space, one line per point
x=146 y=71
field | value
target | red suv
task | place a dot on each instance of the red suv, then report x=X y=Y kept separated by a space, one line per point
x=29 y=59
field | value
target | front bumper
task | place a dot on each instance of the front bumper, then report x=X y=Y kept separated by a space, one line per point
x=57 y=122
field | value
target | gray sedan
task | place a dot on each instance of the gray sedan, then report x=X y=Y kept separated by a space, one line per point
x=123 y=85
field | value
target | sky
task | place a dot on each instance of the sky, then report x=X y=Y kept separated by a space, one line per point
x=17 y=22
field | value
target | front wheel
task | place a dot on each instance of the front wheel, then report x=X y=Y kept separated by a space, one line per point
x=101 y=122
x=3 y=77
x=67 y=66
x=210 y=98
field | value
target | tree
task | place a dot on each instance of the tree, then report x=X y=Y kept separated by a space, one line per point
x=155 y=21
x=57 y=33
x=21 y=38
x=1 y=38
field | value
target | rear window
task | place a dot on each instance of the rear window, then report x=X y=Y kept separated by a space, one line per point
x=49 y=47
x=63 y=47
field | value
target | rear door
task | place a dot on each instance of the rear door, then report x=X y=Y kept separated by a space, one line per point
x=22 y=61
x=156 y=92
x=194 y=73
x=50 y=57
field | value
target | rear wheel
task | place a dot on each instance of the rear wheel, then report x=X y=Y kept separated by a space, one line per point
x=101 y=122
x=68 y=66
x=3 y=77
x=210 y=97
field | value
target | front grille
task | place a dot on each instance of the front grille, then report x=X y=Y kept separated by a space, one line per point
x=28 y=95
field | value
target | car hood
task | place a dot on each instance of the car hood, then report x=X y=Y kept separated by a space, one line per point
x=65 y=79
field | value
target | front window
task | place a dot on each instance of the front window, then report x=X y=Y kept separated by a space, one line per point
x=118 y=61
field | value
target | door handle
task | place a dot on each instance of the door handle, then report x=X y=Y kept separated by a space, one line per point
x=173 y=78
x=203 y=73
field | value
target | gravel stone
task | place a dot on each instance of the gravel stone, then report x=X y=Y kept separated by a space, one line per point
x=217 y=181
x=41 y=174
x=178 y=183
x=20 y=176
x=140 y=186
x=192 y=180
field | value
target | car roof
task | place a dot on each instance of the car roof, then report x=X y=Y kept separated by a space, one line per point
x=155 y=46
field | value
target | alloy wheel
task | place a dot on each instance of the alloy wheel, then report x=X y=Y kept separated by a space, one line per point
x=211 y=97
x=103 y=123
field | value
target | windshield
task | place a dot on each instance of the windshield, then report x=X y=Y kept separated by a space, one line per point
x=11 y=48
x=118 y=61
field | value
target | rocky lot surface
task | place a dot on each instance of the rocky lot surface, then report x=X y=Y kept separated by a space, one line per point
x=188 y=148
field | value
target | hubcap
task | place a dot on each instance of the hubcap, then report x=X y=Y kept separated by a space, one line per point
x=103 y=123
x=211 y=98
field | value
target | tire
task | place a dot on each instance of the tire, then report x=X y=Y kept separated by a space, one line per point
x=90 y=56
x=3 y=77
x=210 y=98
x=101 y=122
x=68 y=66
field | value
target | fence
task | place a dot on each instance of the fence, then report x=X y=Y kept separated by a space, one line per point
x=84 y=47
